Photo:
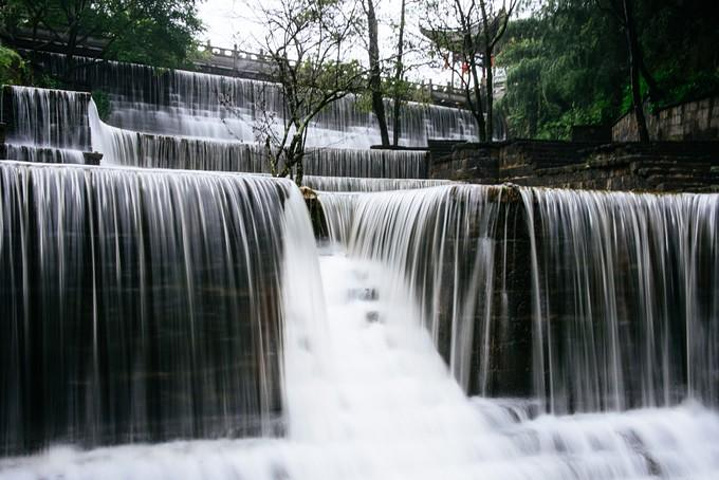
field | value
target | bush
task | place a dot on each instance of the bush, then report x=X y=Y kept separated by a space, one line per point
x=13 y=69
x=102 y=102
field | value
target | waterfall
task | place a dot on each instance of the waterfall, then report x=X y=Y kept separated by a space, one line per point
x=47 y=118
x=366 y=163
x=139 y=305
x=166 y=317
x=369 y=398
x=358 y=184
x=627 y=298
x=175 y=102
x=126 y=147
x=30 y=153
x=441 y=241
x=625 y=287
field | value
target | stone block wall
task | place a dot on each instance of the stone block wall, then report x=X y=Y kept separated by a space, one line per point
x=658 y=166
x=698 y=120
x=471 y=162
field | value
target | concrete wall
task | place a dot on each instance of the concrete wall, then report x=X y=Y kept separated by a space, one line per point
x=698 y=120
x=658 y=166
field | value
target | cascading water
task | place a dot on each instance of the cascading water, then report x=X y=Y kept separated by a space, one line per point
x=624 y=286
x=368 y=397
x=422 y=234
x=626 y=298
x=138 y=305
x=144 y=305
x=126 y=147
x=356 y=184
x=48 y=126
x=29 y=153
x=48 y=118
x=211 y=106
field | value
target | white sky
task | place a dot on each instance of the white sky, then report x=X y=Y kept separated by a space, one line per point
x=230 y=22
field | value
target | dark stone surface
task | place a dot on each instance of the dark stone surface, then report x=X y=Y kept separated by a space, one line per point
x=591 y=133
x=696 y=120
x=657 y=166
x=317 y=214
x=92 y=158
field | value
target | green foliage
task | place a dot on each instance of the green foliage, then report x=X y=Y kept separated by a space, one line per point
x=363 y=101
x=13 y=70
x=421 y=95
x=567 y=63
x=563 y=68
x=47 y=81
x=156 y=32
x=162 y=33
x=102 y=102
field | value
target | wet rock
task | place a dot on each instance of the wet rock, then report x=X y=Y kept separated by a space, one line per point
x=92 y=158
x=364 y=294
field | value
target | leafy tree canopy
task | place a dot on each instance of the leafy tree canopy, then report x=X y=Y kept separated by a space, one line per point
x=157 y=32
x=567 y=63
x=13 y=70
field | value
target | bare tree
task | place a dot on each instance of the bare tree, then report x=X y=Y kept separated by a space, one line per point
x=471 y=30
x=307 y=42
x=387 y=86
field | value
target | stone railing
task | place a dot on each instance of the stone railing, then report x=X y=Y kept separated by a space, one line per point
x=237 y=62
x=222 y=61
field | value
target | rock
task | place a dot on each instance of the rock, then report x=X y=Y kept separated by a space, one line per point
x=92 y=158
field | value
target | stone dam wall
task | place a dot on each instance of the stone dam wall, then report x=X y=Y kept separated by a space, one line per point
x=697 y=120
x=658 y=166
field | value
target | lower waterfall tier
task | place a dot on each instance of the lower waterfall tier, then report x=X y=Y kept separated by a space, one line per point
x=369 y=398
x=144 y=305
x=677 y=443
x=139 y=305
x=26 y=153
x=588 y=301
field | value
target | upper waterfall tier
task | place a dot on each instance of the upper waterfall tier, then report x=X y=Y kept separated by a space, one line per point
x=140 y=305
x=41 y=117
x=174 y=102
x=32 y=154
x=126 y=147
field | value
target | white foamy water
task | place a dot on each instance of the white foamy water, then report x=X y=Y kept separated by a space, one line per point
x=368 y=397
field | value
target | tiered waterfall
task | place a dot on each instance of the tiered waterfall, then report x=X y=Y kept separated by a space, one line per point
x=170 y=314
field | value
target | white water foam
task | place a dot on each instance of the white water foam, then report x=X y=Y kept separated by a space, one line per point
x=368 y=397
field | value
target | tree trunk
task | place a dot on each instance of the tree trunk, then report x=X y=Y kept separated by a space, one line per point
x=634 y=66
x=487 y=66
x=375 y=79
x=398 y=78
x=478 y=110
x=489 y=126
x=300 y=170
x=72 y=35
